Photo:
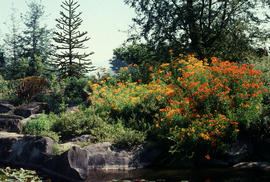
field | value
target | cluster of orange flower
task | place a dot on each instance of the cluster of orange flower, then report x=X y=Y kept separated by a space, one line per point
x=203 y=101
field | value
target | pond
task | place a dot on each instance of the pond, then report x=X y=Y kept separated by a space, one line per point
x=147 y=175
x=198 y=175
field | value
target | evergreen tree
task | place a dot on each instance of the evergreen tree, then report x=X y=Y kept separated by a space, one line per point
x=13 y=45
x=69 y=41
x=36 y=38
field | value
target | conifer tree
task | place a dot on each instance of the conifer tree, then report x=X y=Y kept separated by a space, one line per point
x=36 y=38
x=69 y=41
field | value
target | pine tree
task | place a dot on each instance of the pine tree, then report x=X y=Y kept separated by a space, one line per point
x=69 y=41
x=36 y=38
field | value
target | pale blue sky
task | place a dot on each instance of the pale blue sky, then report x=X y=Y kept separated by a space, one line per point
x=104 y=20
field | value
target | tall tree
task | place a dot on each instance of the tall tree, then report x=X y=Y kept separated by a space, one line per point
x=36 y=37
x=207 y=27
x=13 y=48
x=13 y=45
x=69 y=42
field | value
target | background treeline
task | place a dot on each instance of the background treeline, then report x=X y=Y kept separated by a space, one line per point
x=232 y=30
x=42 y=64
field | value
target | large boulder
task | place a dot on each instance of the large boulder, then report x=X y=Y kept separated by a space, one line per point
x=105 y=156
x=25 y=150
x=30 y=109
x=72 y=164
x=11 y=123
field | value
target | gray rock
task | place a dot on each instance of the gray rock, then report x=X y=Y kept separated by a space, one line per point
x=30 y=109
x=76 y=163
x=239 y=151
x=27 y=150
x=5 y=107
x=11 y=123
x=82 y=138
x=105 y=156
x=252 y=165
x=72 y=164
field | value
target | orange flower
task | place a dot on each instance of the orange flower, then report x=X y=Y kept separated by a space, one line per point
x=170 y=51
x=150 y=68
x=207 y=157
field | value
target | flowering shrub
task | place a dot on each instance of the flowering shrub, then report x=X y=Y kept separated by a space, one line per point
x=201 y=106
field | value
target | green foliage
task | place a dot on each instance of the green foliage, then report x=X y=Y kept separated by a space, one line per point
x=75 y=90
x=41 y=126
x=93 y=121
x=262 y=126
x=3 y=88
x=226 y=29
x=59 y=149
x=136 y=53
x=263 y=64
x=21 y=174
x=36 y=39
x=70 y=62
x=190 y=104
x=118 y=134
x=69 y=125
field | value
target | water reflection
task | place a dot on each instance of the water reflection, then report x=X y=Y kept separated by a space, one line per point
x=209 y=175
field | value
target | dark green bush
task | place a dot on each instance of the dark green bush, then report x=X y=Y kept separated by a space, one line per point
x=75 y=90
x=41 y=126
x=69 y=125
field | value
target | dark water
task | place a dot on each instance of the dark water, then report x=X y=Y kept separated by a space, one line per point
x=207 y=175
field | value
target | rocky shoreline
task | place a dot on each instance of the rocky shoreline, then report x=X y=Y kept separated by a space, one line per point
x=79 y=163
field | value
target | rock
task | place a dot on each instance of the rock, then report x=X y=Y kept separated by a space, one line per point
x=252 y=165
x=72 y=164
x=5 y=107
x=30 y=109
x=105 y=156
x=11 y=123
x=26 y=150
x=239 y=151
x=82 y=138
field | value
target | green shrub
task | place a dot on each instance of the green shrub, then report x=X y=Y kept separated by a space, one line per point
x=69 y=125
x=41 y=126
x=74 y=91
x=263 y=64
x=3 y=88
x=97 y=123
x=187 y=101
x=118 y=134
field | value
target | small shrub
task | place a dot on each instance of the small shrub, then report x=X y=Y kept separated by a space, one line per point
x=30 y=87
x=118 y=134
x=41 y=126
x=69 y=125
x=59 y=149
x=74 y=92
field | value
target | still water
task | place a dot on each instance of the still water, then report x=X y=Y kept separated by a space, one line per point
x=200 y=175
